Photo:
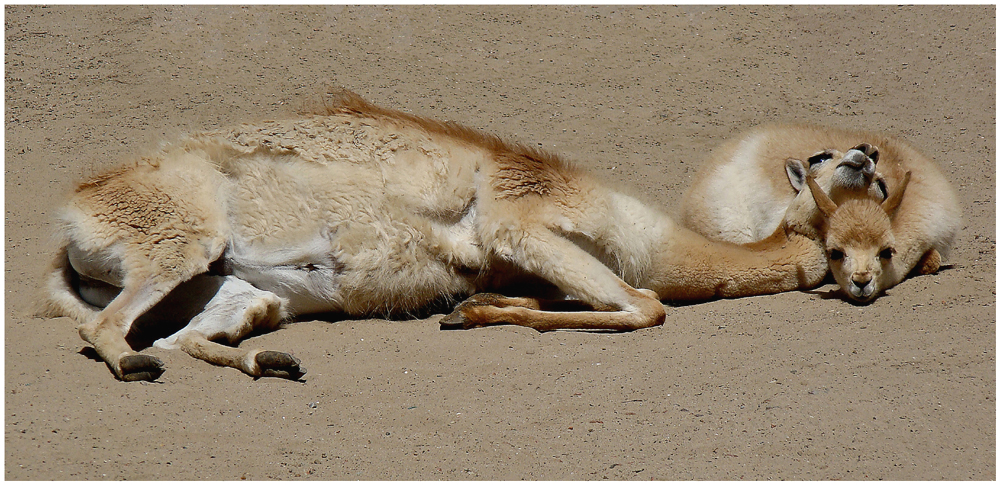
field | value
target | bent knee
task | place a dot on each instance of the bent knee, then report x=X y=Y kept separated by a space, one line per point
x=649 y=313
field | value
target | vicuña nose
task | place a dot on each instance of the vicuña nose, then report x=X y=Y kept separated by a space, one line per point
x=861 y=280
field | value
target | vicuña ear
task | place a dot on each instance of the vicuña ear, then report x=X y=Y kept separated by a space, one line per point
x=797 y=171
x=892 y=203
x=826 y=206
x=878 y=187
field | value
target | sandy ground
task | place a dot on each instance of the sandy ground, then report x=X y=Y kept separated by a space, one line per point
x=795 y=386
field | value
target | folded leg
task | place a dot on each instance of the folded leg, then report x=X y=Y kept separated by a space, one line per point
x=236 y=310
x=605 y=300
x=107 y=330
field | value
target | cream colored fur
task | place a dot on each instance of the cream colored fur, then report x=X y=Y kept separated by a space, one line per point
x=357 y=209
x=744 y=190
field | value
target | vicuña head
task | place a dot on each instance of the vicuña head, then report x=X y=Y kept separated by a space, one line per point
x=849 y=175
x=859 y=240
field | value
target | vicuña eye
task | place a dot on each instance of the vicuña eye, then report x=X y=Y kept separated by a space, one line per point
x=819 y=158
x=886 y=253
x=836 y=254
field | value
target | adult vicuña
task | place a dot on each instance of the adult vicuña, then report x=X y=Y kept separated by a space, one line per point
x=363 y=210
x=743 y=192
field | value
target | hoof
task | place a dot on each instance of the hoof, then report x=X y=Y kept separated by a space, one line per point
x=140 y=367
x=459 y=319
x=455 y=321
x=279 y=364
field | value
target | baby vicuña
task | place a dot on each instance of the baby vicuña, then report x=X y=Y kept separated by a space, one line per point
x=743 y=192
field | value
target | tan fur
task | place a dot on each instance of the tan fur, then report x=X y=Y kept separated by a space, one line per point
x=922 y=230
x=358 y=209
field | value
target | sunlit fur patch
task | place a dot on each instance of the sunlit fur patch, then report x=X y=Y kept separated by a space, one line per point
x=859 y=223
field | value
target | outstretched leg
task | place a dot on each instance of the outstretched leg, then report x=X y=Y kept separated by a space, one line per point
x=237 y=309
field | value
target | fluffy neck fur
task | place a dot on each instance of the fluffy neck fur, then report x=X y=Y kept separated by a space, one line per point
x=692 y=267
x=686 y=266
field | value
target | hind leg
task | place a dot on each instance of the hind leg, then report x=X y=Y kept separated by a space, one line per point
x=150 y=274
x=106 y=332
x=236 y=310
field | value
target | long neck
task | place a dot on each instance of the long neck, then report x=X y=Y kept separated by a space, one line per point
x=688 y=266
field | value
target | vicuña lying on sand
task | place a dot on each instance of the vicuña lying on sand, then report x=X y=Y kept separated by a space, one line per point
x=368 y=211
x=742 y=194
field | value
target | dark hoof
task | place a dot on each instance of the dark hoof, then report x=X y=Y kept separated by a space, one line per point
x=140 y=367
x=458 y=320
x=279 y=364
x=455 y=321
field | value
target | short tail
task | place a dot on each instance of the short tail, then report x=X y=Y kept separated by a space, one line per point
x=61 y=296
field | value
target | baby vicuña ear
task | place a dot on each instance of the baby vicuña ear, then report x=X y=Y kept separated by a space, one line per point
x=892 y=203
x=826 y=206
x=797 y=171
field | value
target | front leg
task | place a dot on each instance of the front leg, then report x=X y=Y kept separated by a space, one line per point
x=457 y=319
x=605 y=301
x=484 y=309
x=106 y=332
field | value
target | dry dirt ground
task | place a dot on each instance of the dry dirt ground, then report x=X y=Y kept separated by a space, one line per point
x=800 y=385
